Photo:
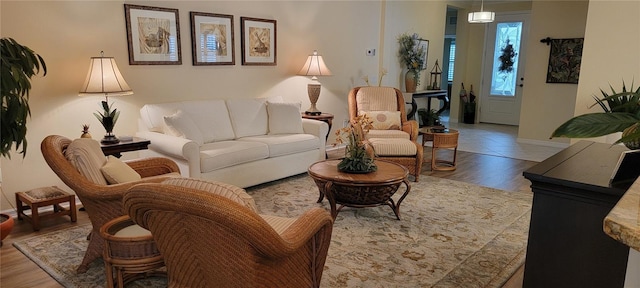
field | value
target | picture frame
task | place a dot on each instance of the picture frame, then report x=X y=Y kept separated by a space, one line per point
x=259 y=41
x=565 y=57
x=153 y=35
x=424 y=45
x=212 y=39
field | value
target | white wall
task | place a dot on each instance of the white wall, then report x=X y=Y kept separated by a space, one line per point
x=545 y=106
x=68 y=33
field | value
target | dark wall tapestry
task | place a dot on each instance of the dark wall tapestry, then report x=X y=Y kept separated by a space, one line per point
x=564 y=60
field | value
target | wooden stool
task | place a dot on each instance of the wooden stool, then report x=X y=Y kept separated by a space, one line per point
x=129 y=251
x=40 y=197
x=444 y=140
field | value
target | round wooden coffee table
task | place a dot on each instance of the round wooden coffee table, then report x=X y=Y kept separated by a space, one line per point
x=360 y=190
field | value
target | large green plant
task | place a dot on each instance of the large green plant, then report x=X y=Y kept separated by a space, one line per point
x=621 y=114
x=19 y=64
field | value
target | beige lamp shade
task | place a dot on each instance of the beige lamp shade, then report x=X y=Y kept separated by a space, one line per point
x=314 y=67
x=104 y=78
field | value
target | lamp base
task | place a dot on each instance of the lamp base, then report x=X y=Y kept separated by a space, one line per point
x=109 y=139
x=313 y=113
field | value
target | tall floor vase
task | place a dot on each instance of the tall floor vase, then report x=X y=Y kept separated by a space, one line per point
x=410 y=81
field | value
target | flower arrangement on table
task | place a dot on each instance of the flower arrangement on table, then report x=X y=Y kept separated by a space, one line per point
x=357 y=159
x=411 y=54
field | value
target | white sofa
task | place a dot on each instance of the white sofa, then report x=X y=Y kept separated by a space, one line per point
x=243 y=142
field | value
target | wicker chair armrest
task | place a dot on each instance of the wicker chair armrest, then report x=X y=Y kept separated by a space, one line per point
x=411 y=127
x=116 y=191
x=153 y=166
x=310 y=223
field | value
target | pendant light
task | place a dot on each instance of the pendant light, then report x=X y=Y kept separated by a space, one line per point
x=482 y=16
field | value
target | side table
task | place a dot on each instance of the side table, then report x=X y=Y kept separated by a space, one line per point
x=41 y=197
x=324 y=117
x=442 y=139
x=125 y=146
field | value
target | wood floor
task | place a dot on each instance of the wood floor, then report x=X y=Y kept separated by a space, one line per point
x=491 y=171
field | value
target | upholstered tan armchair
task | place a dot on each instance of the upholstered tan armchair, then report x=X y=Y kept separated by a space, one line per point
x=210 y=240
x=78 y=165
x=393 y=137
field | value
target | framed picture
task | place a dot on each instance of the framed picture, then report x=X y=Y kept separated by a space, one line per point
x=258 y=41
x=564 y=60
x=423 y=45
x=153 y=35
x=212 y=40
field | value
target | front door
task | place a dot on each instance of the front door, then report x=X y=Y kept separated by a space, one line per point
x=503 y=71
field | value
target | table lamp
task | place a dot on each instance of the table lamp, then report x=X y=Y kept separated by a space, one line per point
x=314 y=67
x=104 y=78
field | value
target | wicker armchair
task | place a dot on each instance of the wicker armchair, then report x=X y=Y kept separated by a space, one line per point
x=208 y=240
x=398 y=144
x=102 y=202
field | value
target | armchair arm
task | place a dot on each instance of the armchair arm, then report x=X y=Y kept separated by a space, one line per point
x=153 y=166
x=411 y=127
x=172 y=146
x=312 y=222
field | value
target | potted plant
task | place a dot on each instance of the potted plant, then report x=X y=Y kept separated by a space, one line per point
x=412 y=57
x=357 y=159
x=621 y=114
x=19 y=64
x=108 y=118
x=429 y=118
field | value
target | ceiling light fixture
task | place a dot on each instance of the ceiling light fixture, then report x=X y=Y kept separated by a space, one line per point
x=482 y=16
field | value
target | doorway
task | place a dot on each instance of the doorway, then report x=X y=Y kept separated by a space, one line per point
x=503 y=69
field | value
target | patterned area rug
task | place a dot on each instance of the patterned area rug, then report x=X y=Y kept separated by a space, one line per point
x=452 y=234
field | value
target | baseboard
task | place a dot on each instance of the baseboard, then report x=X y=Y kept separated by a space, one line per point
x=543 y=143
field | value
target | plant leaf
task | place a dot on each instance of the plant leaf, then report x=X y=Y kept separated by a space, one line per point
x=595 y=125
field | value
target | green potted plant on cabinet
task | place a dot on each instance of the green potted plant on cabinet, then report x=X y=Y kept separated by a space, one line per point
x=621 y=114
x=19 y=64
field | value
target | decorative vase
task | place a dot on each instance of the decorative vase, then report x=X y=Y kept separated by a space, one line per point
x=6 y=225
x=633 y=145
x=410 y=81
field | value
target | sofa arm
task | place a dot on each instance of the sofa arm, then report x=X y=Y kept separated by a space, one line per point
x=317 y=128
x=172 y=146
x=411 y=127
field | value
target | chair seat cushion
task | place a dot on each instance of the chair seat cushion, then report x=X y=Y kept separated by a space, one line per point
x=393 y=134
x=217 y=155
x=280 y=224
x=393 y=147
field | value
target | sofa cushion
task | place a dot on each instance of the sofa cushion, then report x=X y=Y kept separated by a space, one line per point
x=228 y=191
x=394 y=134
x=180 y=124
x=393 y=147
x=284 y=118
x=116 y=171
x=285 y=144
x=212 y=118
x=86 y=156
x=372 y=98
x=384 y=120
x=223 y=154
x=248 y=117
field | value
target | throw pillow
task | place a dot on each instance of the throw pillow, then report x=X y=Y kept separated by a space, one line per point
x=284 y=118
x=384 y=120
x=116 y=171
x=86 y=156
x=232 y=192
x=181 y=125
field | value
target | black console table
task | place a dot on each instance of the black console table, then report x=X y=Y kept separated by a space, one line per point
x=439 y=94
x=571 y=196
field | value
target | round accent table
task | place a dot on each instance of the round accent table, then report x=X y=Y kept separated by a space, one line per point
x=360 y=190
x=130 y=252
x=442 y=139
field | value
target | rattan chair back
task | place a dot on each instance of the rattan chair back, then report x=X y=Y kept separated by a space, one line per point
x=208 y=240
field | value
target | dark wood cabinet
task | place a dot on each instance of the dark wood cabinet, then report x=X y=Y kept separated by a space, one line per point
x=567 y=245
